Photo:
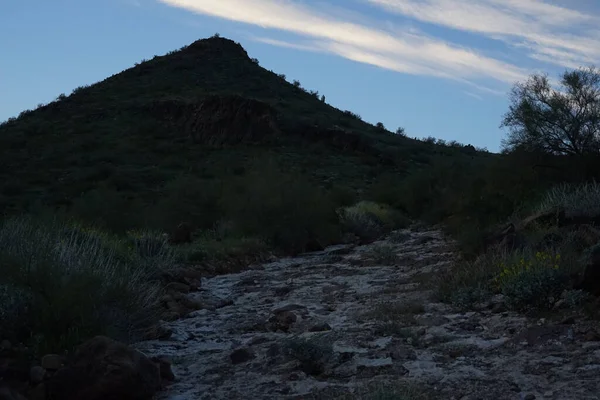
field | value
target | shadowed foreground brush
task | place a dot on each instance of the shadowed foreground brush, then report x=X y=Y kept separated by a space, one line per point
x=61 y=284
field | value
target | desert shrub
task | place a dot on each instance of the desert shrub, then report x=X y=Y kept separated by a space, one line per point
x=532 y=281
x=71 y=284
x=470 y=281
x=186 y=199
x=369 y=220
x=576 y=200
x=287 y=211
x=529 y=280
x=209 y=248
x=107 y=209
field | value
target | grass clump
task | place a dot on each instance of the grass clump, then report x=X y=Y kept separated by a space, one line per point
x=208 y=248
x=576 y=200
x=62 y=284
x=369 y=220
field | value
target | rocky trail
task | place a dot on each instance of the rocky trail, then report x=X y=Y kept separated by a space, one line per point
x=359 y=322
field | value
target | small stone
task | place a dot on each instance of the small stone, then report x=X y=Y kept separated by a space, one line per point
x=320 y=327
x=241 y=356
x=52 y=362
x=36 y=375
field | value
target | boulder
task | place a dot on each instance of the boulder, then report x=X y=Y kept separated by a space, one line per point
x=104 y=369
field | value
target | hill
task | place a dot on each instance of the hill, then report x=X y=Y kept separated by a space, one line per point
x=183 y=122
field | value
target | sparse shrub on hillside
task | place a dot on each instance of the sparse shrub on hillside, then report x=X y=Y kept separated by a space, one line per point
x=282 y=76
x=254 y=60
x=297 y=84
x=216 y=35
x=80 y=89
x=61 y=97
x=25 y=113
x=400 y=131
x=353 y=115
x=380 y=126
x=576 y=200
x=322 y=98
x=70 y=284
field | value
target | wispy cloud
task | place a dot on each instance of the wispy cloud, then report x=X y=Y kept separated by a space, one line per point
x=403 y=51
x=474 y=95
x=553 y=34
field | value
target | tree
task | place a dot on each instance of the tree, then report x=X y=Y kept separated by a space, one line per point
x=565 y=120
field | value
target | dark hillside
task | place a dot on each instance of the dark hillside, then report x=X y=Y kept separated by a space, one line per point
x=202 y=112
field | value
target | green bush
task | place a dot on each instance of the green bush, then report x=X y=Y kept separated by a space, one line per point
x=529 y=280
x=369 y=220
x=71 y=284
x=532 y=281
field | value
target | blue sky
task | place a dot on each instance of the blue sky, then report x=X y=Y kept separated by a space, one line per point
x=435 y=67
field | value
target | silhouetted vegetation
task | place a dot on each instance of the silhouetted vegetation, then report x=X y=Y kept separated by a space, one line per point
x=274 y=170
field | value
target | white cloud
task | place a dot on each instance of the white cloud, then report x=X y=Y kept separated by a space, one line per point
x=474 y=95
x=402 y=51
x=552 y=34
